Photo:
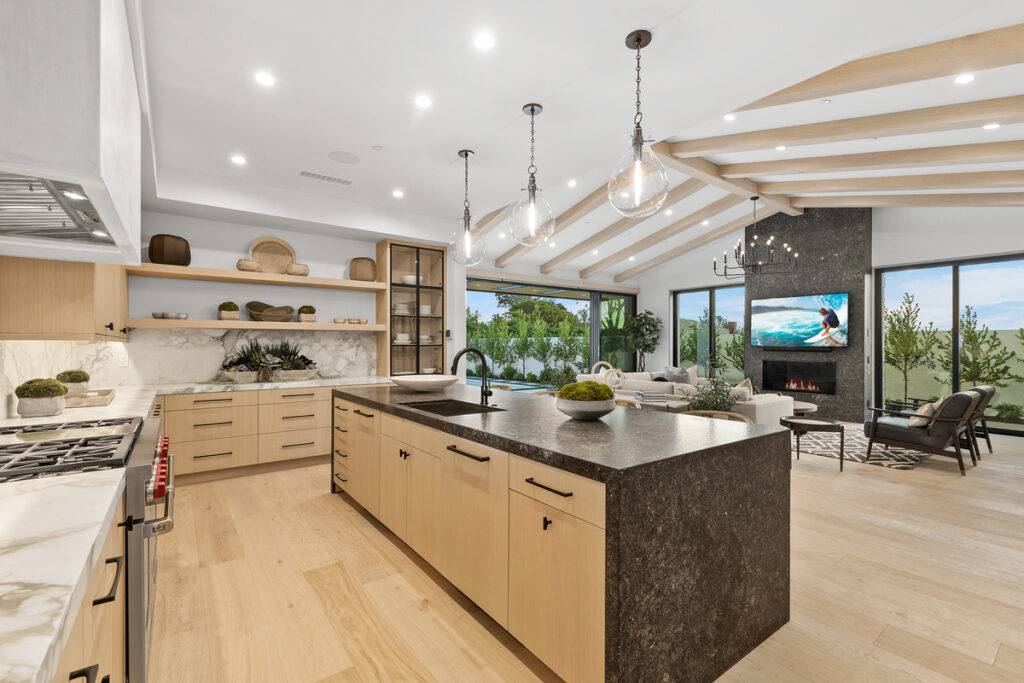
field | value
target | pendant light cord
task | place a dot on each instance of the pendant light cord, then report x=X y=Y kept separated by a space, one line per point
x=465 y=202
x=466 y=220
x=639 y=115
x=532 y=170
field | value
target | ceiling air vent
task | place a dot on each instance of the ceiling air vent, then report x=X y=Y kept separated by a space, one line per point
x=324 y=178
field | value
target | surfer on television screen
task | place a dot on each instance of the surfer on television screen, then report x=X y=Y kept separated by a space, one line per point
x=829 y=321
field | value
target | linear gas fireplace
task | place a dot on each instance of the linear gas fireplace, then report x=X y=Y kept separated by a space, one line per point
x=816 y=377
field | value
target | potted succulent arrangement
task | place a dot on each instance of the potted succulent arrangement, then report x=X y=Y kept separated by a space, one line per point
x=307 y=314
x=288 y=362
x=40 y=397
x=227 y=311
x=244 y=366
x=75 y=381
x=587 y=400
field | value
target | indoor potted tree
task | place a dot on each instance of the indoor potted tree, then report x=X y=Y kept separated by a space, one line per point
x=40 y=397
x=75 y=381
x=587 y=400
x=642 y=333
x=307 y=314
x=227 y=311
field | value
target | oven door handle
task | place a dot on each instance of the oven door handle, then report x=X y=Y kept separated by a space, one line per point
x=163 y=524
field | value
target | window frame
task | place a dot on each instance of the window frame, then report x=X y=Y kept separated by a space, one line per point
x=712 y=294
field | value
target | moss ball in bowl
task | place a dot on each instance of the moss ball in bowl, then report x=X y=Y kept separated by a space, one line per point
x=75 y=381
x=40 y=397
x=587 y=400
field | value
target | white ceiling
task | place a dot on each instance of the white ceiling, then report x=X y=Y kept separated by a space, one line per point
x=347 y=73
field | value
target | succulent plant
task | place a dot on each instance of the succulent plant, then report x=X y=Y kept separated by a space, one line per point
x=255 y=356
x=289 y=356
x=73 y=376
x=40 y=388
x=587 y=390
x=307 y=309
x=228 y=306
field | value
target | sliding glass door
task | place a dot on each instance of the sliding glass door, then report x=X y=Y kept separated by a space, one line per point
x=949 y=327
x=708 y=331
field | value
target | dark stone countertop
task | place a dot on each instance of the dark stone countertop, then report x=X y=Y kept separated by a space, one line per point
x=531 y=426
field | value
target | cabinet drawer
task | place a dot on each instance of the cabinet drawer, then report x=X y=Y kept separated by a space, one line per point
x=412 y=434
x=221 y=399
x=211 y=423
x=340 y=466
x=341 y=449
x=298 y=395
x=364 y=420
x=215 y=454
x=569 y=492
x=293 y=445
x=290 y=417
x=341 y=481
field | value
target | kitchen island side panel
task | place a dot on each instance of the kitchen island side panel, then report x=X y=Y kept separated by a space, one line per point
x=697 y=559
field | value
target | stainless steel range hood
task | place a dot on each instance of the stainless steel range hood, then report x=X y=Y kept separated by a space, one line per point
x=48 y=209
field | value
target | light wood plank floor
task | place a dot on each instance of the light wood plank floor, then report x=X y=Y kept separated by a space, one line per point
x=915 y=575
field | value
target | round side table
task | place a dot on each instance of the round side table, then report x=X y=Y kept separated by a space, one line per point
x=803 y=408
x=800 y=425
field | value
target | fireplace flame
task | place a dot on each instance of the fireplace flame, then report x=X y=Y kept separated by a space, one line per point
x=793 y=384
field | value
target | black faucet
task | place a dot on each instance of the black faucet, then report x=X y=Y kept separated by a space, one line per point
x=485 y=389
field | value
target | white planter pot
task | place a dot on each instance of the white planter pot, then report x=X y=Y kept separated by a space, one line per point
x=76 y=388
x=40 y=407
x=240 y=377
x=585 y=410
x=307 y=317
x=227 y=315
x=293 y=375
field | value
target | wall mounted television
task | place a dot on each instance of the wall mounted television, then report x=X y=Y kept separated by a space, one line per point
x=813 y=321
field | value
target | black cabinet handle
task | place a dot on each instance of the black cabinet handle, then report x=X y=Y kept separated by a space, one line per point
x=297 y=417
x=212 y=400
x=547 y=522
x=298 y=445
x=340 y=408
x=362 y=414
x=88 y=673
x=563 y=494
x=339 y=429
x=112 y=593
x=403 y=454
x=297 y=395
x=455 y=449
x=341 y=478
x=213 y=424
x=211 y=455
x=109 y=326
x=339 y=453
x=124 y=330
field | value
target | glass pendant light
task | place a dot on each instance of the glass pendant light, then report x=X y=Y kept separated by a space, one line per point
x=639 y=185
x=531 y=222
x=466 y=248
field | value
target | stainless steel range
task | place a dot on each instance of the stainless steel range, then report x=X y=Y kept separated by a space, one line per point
x=60 y=448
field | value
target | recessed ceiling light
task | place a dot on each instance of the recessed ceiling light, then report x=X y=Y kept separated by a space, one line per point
x=483 y=40
x=668 y=212
x=551 y=244
x=501 y=235
x=991 y=126
x=780 y=148
x=594 y=252
x=963 y=79
x=632 y=258
x=705 y=222
x=571 y=182
x=238 y=160
x=73 y=195
x=264 y=78
x=397 y=193
x=423 y=101
x=730 y=117
x=100 y=233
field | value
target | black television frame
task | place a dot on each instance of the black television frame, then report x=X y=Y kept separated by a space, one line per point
x=750 y=326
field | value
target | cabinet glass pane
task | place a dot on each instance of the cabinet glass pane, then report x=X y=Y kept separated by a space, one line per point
x=403 y=265
x=403 y=360
x=431 y=267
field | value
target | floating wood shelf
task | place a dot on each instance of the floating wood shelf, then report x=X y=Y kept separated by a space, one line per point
x=219 y=275
x=164 y=324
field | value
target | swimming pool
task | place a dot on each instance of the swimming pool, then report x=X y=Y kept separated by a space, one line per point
x=514 y=385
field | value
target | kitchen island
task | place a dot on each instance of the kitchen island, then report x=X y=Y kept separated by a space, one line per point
x=670 y=530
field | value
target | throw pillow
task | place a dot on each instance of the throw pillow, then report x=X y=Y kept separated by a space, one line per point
x=746 y=384
x=694 y=373
x=923 y=415
x=673 y=374
x=683 y=389
x=741 y=393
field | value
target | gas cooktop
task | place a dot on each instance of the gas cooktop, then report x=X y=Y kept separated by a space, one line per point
x=30 y=451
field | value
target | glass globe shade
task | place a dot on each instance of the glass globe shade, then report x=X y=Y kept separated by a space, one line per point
x=465 y=248
x=531 y=222
x=639 y=185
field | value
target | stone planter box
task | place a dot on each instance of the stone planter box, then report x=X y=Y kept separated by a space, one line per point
x=227 y=315
x=76 y=388
x=307 y=317
x=40 y=407
x=293 y=375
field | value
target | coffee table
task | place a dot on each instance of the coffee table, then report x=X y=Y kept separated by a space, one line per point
x=804 y=408
x=800 y=425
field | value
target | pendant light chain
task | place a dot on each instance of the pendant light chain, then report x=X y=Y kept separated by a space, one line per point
x=532 y=170
x=639 y=115
x=465 y=202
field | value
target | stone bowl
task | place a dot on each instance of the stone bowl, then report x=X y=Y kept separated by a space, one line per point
x=585 y=410
x=41 y=407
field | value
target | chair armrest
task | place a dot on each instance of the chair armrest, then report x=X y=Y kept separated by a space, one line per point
x=889 y=411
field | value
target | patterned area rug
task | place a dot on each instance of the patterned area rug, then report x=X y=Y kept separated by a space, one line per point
x=826 y=444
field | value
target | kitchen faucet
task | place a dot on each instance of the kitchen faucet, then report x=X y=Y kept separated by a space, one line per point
x=485 y=389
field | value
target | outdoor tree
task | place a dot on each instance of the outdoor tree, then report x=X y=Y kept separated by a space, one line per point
x=521 y=340
x=542 y=347
x=906 y=343
x=984 y=359
x=733 y=351
x=643 y=331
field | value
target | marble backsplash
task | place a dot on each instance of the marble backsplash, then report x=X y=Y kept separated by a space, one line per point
x=171 y=357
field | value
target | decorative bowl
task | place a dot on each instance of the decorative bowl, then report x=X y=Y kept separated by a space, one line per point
x=294 y=375
x=262 y=312
x=425 y=382
x=585 y=410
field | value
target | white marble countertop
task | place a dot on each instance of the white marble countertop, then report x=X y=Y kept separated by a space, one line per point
x=128 y=402
x=52 y=531
x=207 y=387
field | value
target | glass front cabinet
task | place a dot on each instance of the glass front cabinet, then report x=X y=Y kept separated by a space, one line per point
x=416 y=333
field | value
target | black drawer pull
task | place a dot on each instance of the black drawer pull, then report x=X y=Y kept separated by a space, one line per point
x=109 y=326
x=339 y=429
x=403 y=454
x=361 y=413
x=340 y=478
x=88 y=673
x=297 y=395
x=339 y=453
x=213 y=424
x=112 y=593
x=212 y=400
x=563 y=494
x=298 y=445
x=547 y=522
x=211 y=455
x=297 y=417
x=340 y=408
x=478 y=458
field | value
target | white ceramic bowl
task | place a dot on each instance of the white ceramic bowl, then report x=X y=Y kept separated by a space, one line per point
x=425 y=382
x=585 y=410
x=409 y=279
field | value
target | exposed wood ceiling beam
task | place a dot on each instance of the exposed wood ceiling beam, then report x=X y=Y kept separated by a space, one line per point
x=484 y=225
x=1004 y=110
x=982 y=153
x=695 y=243
x=675 y=195
x=932 y=181
x=544 y=280
x=576 y=212
x=986 y=50
x=710 y=173
x=878 y=200
x=685 y=223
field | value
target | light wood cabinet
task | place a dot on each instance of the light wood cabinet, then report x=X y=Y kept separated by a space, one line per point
x=44 y=299
x=364 y=459
x=215 y=454
x=394 y=484
x=296 y=395
x=556 y=588
x=218 y=399
x=294 y=445
x=410 y=481
x=290 y=417
x=211 y=423
x=474 y=523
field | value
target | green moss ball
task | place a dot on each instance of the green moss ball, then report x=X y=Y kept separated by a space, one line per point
x=307 y=309
x=228 y=306
x=73 y=376
x=586 y=391
x=40 y=388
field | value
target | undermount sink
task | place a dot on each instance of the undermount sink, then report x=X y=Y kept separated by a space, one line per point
x=450 y=407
